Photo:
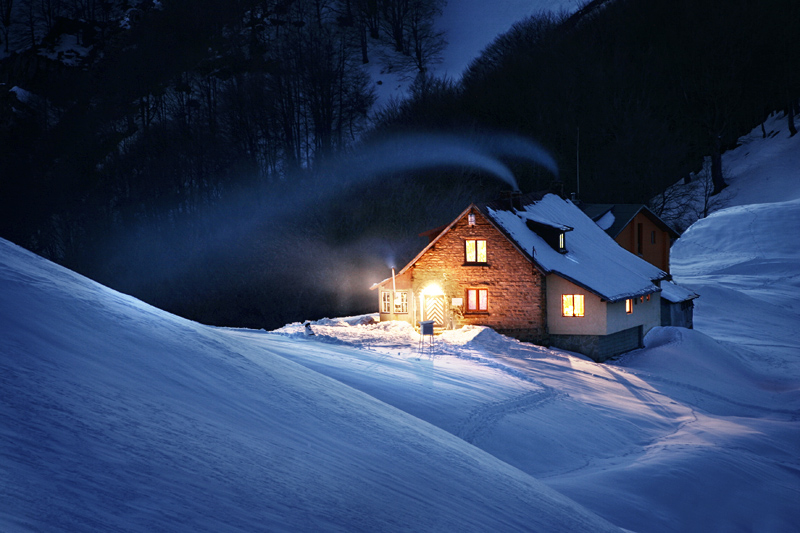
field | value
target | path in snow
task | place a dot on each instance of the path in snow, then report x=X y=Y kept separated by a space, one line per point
x=483 y=418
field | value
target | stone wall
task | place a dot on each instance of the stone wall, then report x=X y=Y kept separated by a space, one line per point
x=600 y=347
x=515 y=288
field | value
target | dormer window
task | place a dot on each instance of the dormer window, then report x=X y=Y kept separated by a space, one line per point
x=555 y=235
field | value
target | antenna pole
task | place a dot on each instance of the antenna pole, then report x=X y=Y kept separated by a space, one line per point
x=578 y=162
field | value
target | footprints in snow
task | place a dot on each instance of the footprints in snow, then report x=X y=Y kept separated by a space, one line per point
x=482 y=419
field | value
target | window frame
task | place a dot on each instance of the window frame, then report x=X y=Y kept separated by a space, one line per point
x=476 y=252
x=477 y=308
x=386 y=302
x=576 y=310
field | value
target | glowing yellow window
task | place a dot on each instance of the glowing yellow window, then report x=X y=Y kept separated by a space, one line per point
x=572 y=304
x=476 y=251
x=629 y=306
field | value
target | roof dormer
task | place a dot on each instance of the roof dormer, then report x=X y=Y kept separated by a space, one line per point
x=555 y=235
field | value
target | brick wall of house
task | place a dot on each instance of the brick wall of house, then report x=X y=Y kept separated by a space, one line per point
x=516 y=298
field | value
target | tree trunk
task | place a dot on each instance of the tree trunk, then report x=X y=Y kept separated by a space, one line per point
x=716 y=167
x=364 y=52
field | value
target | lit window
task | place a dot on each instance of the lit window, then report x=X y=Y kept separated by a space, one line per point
x=629 y=306
x=475 y=251
x=572 y=304
x=386 y=302
x=400 y=302
x=477 y=299
x=562 y=242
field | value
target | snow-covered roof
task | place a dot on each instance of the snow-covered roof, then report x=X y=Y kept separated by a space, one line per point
x=675 y=293
x=593 y=260
x=613 y=218
x=606 y=221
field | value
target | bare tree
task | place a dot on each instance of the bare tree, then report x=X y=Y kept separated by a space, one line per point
x=425 y=42
x=49 y=10
x=5 y=18
x=707 y=198
x=394 y=18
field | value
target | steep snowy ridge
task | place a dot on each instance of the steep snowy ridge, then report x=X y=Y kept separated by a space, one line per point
x=744 y=259
x=117 y=416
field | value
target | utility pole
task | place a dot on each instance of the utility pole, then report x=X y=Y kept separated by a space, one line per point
x=578 y=163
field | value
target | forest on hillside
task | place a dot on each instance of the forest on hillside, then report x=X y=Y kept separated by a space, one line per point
x=219 y=159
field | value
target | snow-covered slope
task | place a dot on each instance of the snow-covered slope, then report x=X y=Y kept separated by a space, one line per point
x=745 y=259
x=682 y=436
x=115 y=416
x=700 y=431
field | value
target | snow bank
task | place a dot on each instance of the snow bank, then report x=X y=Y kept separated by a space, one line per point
x=118 y=416
x=743 y=261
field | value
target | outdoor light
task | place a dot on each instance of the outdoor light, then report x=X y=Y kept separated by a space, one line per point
x=432 y=290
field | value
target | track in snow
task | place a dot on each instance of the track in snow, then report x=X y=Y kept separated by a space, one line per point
x=482 y=419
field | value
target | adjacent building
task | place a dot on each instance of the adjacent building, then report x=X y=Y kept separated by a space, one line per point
x=640 y=231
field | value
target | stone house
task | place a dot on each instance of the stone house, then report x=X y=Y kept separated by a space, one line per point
x=535 y=268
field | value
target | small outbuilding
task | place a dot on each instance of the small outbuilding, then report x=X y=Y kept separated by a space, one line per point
x=677 y=305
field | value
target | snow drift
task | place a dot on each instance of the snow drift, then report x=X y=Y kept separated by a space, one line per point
x=118 y=416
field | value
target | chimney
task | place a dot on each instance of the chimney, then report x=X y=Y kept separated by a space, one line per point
x=513 y=199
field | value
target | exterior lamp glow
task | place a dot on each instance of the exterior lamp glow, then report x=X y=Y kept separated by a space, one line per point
x=432 y=290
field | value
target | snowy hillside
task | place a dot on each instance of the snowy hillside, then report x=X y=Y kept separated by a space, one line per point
x=745 y=260
x=700 y=431
x=119 y=417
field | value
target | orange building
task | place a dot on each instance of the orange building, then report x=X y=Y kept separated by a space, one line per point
x=636 y=228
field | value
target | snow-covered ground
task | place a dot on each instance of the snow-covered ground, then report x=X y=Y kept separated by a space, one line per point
x=700 y=431
x=117 y=416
